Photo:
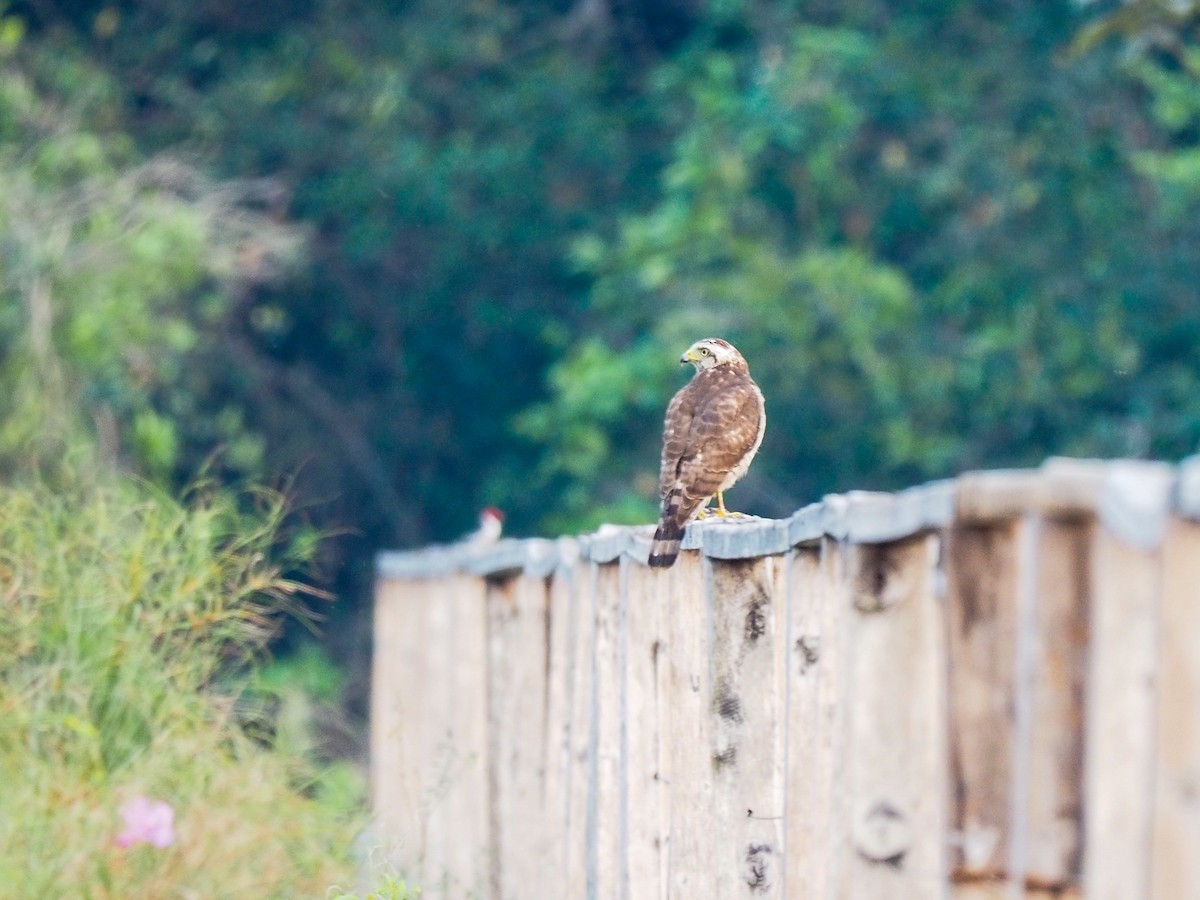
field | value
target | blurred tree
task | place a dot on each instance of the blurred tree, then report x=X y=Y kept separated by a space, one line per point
x=933 y=258
x=746 y=242
x=113 y=268
x=945 y=235
x=442 y=154
x=1159 y=50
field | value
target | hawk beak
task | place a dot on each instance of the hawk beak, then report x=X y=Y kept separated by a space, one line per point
x=688 y=357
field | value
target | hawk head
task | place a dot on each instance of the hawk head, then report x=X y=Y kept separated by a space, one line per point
x=711 y=352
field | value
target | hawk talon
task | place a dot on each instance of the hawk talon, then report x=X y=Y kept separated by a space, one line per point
x=721 y=510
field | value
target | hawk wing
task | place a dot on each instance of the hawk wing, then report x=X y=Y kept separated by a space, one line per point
x=710 y=427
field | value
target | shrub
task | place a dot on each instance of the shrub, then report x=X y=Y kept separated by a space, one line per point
x=121 y=609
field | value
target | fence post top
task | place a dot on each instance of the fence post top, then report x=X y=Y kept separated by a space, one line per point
x=1132 y=498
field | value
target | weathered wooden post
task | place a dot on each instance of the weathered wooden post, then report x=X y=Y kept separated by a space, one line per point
x=430 y=747
x=978 y=688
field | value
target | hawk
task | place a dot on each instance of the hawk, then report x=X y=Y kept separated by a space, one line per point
x=713 y=428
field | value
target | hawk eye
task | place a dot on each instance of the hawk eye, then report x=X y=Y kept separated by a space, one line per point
x=704 y=351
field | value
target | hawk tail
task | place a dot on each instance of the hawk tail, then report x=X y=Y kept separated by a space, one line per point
x=665 y=546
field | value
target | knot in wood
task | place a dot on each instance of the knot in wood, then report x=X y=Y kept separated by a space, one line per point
x=730 y=707
x=882 y=832
x=809 y=648
x=880 y=583
x=756 y=867
x=724 y=758
x=756 y=620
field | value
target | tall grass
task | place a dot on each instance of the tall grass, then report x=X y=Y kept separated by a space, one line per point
x=119 y=610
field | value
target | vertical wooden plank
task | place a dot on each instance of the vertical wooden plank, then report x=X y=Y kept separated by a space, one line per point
x=457 y=786
x=691 y=868
x=398 y=660
x=1016 y=616
x=819 y=600
x=780 y=659
x=981 y=615
x=517 y=660
x=1121 y=718
x=560 y=614
x=896 y=760
x=580 y=677
x=1006 y=890
x=644 y=813
x=604 y=799
x=802 y=645
x=749 y=625
x=1176 y=859
x=1057 y=646
x=663 y=677
x=429 y=746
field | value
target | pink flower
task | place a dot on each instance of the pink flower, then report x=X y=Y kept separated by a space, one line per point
x=152 y=821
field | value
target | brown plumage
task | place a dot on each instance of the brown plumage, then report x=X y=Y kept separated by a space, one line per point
x=713 y=428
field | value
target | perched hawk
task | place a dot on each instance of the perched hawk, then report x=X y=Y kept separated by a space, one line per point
x=713 y=428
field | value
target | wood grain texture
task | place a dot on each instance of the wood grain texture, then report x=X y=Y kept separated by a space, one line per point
x=895 y=755
x=388 y=705
x=1054 y=646
x=462 y=826
x=645 y=801
x=1004 y=890
x=981 y=610
x=818 y=599
x=430 y=754
x=560 y=719
x=1124 y=624
x=1175 y=863
x=747 y=656
x=580 y=676
x=1016 y=615
x=606 y=853
x=517 y=659
x=1004 y=708
x=687 y=708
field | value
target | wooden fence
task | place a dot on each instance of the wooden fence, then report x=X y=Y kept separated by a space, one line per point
x=984 y=687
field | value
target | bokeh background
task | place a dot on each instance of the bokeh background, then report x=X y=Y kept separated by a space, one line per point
x=408 y=259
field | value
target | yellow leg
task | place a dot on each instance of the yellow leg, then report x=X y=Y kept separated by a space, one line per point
x=721 y=510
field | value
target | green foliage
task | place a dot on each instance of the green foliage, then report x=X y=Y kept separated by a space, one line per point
x=121 y=609
x=1173 y=82
x=294 y=703
x=438 y=291
x=422 y=257
x=308 y=669
x=390 y=888
x=605 y=403
x=113 y=265
x=430 y=256
x=930 y=260
x=722 y=252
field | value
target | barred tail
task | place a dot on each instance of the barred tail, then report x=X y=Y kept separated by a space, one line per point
x=665 y=547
